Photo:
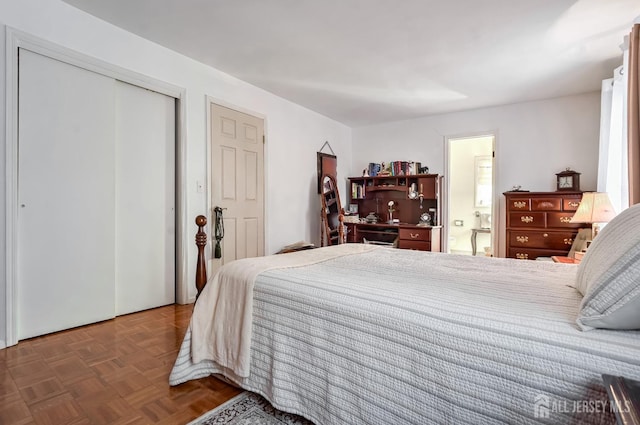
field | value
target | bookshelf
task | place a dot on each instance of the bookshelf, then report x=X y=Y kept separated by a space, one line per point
x=413 y=195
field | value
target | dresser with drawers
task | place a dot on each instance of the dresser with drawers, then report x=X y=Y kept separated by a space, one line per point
x=539 y=223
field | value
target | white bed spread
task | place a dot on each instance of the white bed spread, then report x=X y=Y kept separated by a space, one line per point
x=221 y=321
x=395 y=336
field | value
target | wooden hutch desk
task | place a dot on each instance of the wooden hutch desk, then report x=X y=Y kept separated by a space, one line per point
x=409 y=236
x=372 y=195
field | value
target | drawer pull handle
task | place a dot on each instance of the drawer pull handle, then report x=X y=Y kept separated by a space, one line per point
x=545 y=204
x=546 y=235
x=574 y=204
x=565 y=219
x=522 y=239
x=520 y=256
x=568 y=241
x=526 y=219
x=417 y=235
x=519 y=204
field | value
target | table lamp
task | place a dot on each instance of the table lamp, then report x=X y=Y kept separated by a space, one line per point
x=594 y=208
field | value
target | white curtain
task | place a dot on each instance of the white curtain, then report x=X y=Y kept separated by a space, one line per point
x=613 y=176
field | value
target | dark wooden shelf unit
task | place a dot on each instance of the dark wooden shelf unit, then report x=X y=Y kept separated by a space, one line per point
x=372 y=195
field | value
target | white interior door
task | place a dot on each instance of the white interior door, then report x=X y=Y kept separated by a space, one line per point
x=237 y=164
x=66 y=186
x=145 y=199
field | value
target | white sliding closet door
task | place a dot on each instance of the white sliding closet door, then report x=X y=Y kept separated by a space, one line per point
x=66 y=226
x=145 y=199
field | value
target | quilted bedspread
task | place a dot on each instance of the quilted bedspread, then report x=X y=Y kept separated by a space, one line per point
x=395 y=336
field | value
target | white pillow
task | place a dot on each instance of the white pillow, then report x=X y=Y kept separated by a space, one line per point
x=609 y=275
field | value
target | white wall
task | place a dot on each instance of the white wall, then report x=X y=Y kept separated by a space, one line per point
x=2 y=193
x=294 y=133
x=534 y=140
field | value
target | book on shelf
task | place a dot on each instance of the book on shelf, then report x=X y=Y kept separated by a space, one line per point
x=357 y=190
x=404 y=168
x=394 y=168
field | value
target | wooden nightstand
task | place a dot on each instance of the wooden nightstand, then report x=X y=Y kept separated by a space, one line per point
x=624 y=395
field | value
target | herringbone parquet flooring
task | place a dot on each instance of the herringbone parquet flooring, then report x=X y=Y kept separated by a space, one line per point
x=114 y=372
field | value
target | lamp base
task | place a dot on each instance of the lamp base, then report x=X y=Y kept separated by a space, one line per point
x=595 y=229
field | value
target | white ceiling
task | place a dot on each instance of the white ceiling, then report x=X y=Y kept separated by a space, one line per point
x=368 y=61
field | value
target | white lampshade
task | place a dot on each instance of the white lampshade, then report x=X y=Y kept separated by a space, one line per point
x=595 y=207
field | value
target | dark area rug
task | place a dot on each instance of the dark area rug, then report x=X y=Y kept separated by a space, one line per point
x=248 y=409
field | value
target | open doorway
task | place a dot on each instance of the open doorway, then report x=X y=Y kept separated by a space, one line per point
x=470 y=195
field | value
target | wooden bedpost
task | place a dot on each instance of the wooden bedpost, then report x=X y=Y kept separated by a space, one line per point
x=341 y=236
x=201 y=265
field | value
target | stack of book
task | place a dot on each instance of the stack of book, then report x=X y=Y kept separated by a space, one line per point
x=394 y=168
x=357 y=190
x=404 y=168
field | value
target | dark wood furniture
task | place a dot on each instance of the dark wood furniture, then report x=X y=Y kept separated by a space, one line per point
x=332 y=213
x=405 y=236
x=201 y=264
x=538 y=223
x=624 y=395
x=327 y=165
x=413 y=196
x=419 y=238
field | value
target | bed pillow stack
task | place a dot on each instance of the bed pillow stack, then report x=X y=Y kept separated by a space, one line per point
x=609 y=276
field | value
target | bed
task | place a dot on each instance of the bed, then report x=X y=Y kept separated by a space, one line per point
x=361 y=334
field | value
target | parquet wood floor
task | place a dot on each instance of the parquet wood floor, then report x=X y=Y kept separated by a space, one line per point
x=114 y=372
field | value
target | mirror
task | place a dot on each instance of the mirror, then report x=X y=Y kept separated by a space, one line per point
x=327 y=165
x=332 y=213
x=483 y=174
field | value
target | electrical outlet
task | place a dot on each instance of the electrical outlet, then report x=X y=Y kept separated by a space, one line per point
x=459 y=223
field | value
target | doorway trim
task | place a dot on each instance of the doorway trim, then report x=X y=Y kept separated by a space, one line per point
x=209 y=100
x=15 y=40
x=495 y=210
